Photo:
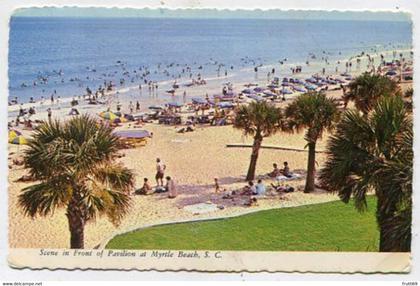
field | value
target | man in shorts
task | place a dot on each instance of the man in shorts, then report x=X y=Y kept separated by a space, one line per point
x=160 y=172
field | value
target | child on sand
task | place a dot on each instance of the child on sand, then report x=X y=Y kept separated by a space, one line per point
x=217 y=187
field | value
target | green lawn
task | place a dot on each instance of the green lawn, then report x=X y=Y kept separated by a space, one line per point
x=332 y=226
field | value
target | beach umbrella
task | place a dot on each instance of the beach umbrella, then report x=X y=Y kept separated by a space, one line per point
x=155 y=107
x=13 y=133
x=255 y=97
x=225 y=104
x=391 y=73
x=247 y=91
x=269 y=92
x=171 y=91
x=272 y=86
x=286 y=91
x=198 y=100
x=174 y=104
x=132 y=134
x=258 y=89
x=19 y=140
x=299 y=89
x=310 y=87
x=285 y=84
x=108 y=115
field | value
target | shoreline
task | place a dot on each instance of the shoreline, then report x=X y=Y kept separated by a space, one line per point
x=246 y=72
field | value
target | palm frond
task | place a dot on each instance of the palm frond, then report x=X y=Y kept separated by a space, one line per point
x=313 y=111
x=44 y=198
x=258 y=117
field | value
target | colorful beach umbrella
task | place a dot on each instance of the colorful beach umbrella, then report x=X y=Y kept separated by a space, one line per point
x=19 y=140
x=108 y=115
x=13 y=133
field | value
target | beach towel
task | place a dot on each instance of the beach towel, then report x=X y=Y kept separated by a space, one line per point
x=292 y=177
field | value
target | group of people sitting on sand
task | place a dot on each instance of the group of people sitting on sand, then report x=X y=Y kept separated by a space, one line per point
x=169 y=187
x=278 y=172
x=252 y=189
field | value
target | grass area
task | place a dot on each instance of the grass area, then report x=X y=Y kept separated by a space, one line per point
x=332 y=226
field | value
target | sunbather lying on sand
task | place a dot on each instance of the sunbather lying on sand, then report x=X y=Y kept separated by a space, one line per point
x=281 y=188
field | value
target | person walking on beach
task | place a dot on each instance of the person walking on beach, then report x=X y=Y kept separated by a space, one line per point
x=160 y=172
x=131 y=107
x=137 y=106
x=171 y=188
x=49 y=113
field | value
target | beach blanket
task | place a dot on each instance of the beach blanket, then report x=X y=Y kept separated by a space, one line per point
x=284 y=178
x=201 y=208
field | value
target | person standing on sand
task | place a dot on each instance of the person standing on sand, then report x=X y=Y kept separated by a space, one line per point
x=49 y=113
x=171 y=188
x=137 y=106
x=160 y=172
x=131 y=107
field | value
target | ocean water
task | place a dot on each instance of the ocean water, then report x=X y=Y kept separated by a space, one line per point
x=75 y=53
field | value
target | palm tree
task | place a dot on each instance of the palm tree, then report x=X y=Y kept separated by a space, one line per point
x=374 y=153
x=317 y=113
x=408 y=99
x=258 y=119
x=367 y=88
x=73 y=163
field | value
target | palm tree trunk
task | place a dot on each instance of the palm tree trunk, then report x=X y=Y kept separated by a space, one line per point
x=384 y=244
x=382 y=217
x=76 y=220
x=310 y=176
x=254 y=157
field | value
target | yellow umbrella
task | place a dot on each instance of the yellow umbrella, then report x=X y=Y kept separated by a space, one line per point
x=13 y=134
x=108 y=115
x=18 y=140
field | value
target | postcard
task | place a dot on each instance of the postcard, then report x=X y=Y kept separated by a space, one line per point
x=210 y=140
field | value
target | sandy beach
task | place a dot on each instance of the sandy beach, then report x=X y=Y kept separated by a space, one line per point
x=193 y=160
